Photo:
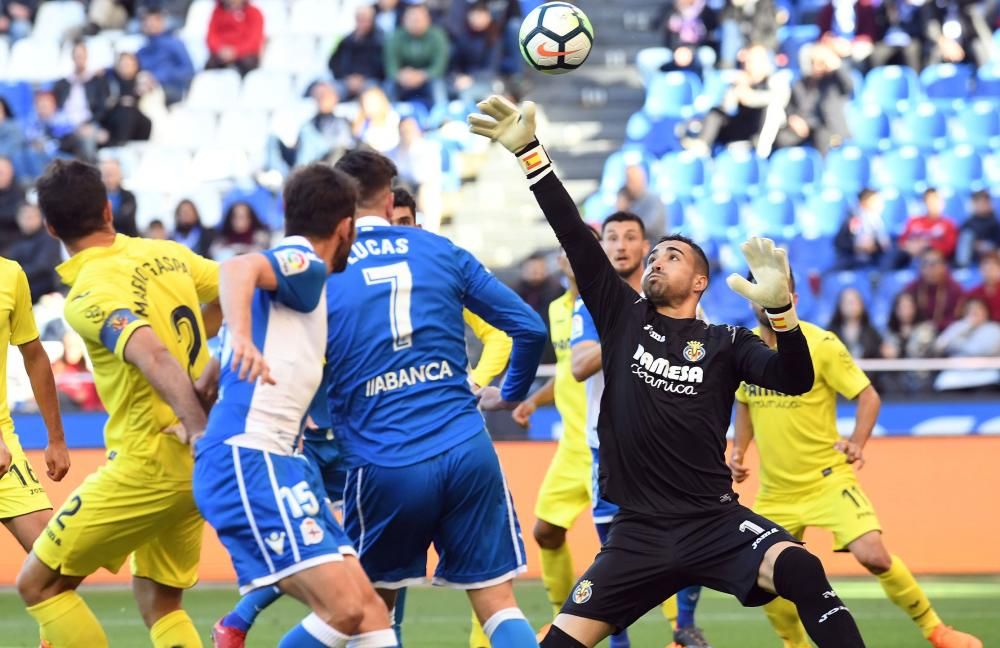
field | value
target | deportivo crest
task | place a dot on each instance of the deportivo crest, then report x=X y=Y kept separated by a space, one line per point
x=694 y=351
x=584 y=590
x=311 y=532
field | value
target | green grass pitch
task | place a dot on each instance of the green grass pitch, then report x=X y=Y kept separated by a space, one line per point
x=438 y=618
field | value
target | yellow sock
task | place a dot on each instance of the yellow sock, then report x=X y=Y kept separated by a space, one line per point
x=175 y=630
x=902 y=589
x=65 y=621
x=557 y=575
x=785 y=620
x=477 y=637
x=669 y=608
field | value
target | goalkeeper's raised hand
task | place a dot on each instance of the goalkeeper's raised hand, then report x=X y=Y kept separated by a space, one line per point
x=514 y=128
x=769 y=267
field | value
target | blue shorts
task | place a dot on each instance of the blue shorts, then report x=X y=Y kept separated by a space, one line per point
x=603 y=510
x=268 y=511
x=322 y=448
x=457 y=500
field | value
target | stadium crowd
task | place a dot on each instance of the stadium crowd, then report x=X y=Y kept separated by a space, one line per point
x=861 y=135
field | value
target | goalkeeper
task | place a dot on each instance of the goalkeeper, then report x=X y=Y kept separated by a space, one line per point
x=670 y=381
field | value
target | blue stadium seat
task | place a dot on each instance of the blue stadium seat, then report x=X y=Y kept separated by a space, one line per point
x=737 y=171
x=978 y=124
x=988 y=82
x=956 y=203
x=890 y=284
x=822 y=214
x=675 y=214
x=891 y=87
x=969 y=277
x=807 y=303
x=811 y=255
x=924 y=126
x=655 y=135
x=946 y=84
x=771 y=214
x=613 y=176
x=960 y=168
x=793 y=38
x=847 y=168
x=713 y=216
x=649 y=61
x=672 y=95
x=20 y=97
x=896 y=208
x=681 y=174
x=723 y=305
x=714 y=89
x=991 y=169
x=904 y=168
x=794 y=170
x=869 y=126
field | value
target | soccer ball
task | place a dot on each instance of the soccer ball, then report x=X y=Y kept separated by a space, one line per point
x=556 y=38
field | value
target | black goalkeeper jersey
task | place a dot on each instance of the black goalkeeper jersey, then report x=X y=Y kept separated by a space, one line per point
x=669 y=384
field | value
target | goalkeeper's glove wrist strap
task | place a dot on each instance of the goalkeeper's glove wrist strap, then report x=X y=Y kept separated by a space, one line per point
x=534 y=161
x=783 y=319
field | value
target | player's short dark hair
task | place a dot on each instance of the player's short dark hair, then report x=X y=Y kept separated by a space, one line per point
x=373 y=171
x=791 y=279
x=317 y=198
x=72 y=198
x=701 y=259
x=403 y=198
x=623 y=217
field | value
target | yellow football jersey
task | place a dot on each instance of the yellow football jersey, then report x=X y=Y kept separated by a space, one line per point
x=795 y=434
x=496 y=349
x=17 y=326
x=570 y=395
x=115 y=291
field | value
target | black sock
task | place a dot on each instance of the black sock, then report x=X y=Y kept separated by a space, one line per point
x=799 y=577
x=556 y=638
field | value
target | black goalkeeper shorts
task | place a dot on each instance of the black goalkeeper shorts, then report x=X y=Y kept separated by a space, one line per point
x=646 y=560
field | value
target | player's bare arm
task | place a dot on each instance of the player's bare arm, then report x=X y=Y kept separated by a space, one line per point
x=146 y=352
x=586 y=359
x=741 y=441
x=211 y=316
x=544 y=395
x=207 y=384
x=43 y=386
x=238 y=278
x=869 y=404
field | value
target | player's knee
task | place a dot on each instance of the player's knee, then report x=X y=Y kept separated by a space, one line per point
x=558 y=638
x=31 y=586
x=549 y=536
x=877 y=562
x=346 y=616
x=798 y=574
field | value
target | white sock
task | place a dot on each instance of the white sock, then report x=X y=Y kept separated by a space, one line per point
x=324 y=633
x=499 y=617
x=375 y=639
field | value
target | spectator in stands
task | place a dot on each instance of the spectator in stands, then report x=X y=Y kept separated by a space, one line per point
x=954 y=29
x=863 y=240
x=505 y=18
x=377 y=123
x=416 y=59
x=389 y=15
x=935 y=291
x=11 y=199
x=326 y=134
x=816 y=113
x=902 y=29
x=537 y=287
x=12 y=145
x=37 y=252
x=635 y=197
x=188 y=230
x=124 y=120
x=419 y=163
x=906 y=337
x=241 y=231
x=744 y=22
x=74 y=381
x=980 y=233
x=851 y=28
x=932 y=230
x=52 y=134
x=358 y=63
x=853 y=326
x=475 y=53
x=235 y=36
x=688 y=23
x=684 y=59
x=123 y=206
x=157 y=230
x=972 y=336
x=989 y=290
x=740 y=116
x=109 y=14
x=16 y=17
x=82 y=97
x=165 y=57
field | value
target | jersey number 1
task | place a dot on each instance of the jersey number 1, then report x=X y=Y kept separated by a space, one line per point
x=400 y=280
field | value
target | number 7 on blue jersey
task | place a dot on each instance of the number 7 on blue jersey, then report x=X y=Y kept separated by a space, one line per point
x=400 y=279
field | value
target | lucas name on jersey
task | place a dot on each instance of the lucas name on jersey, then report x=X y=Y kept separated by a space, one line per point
x=378 y=247
x=658 y=373
x=401 y=378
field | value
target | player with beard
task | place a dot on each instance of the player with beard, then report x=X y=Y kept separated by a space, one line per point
x=670 y=381
x=623 y=237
